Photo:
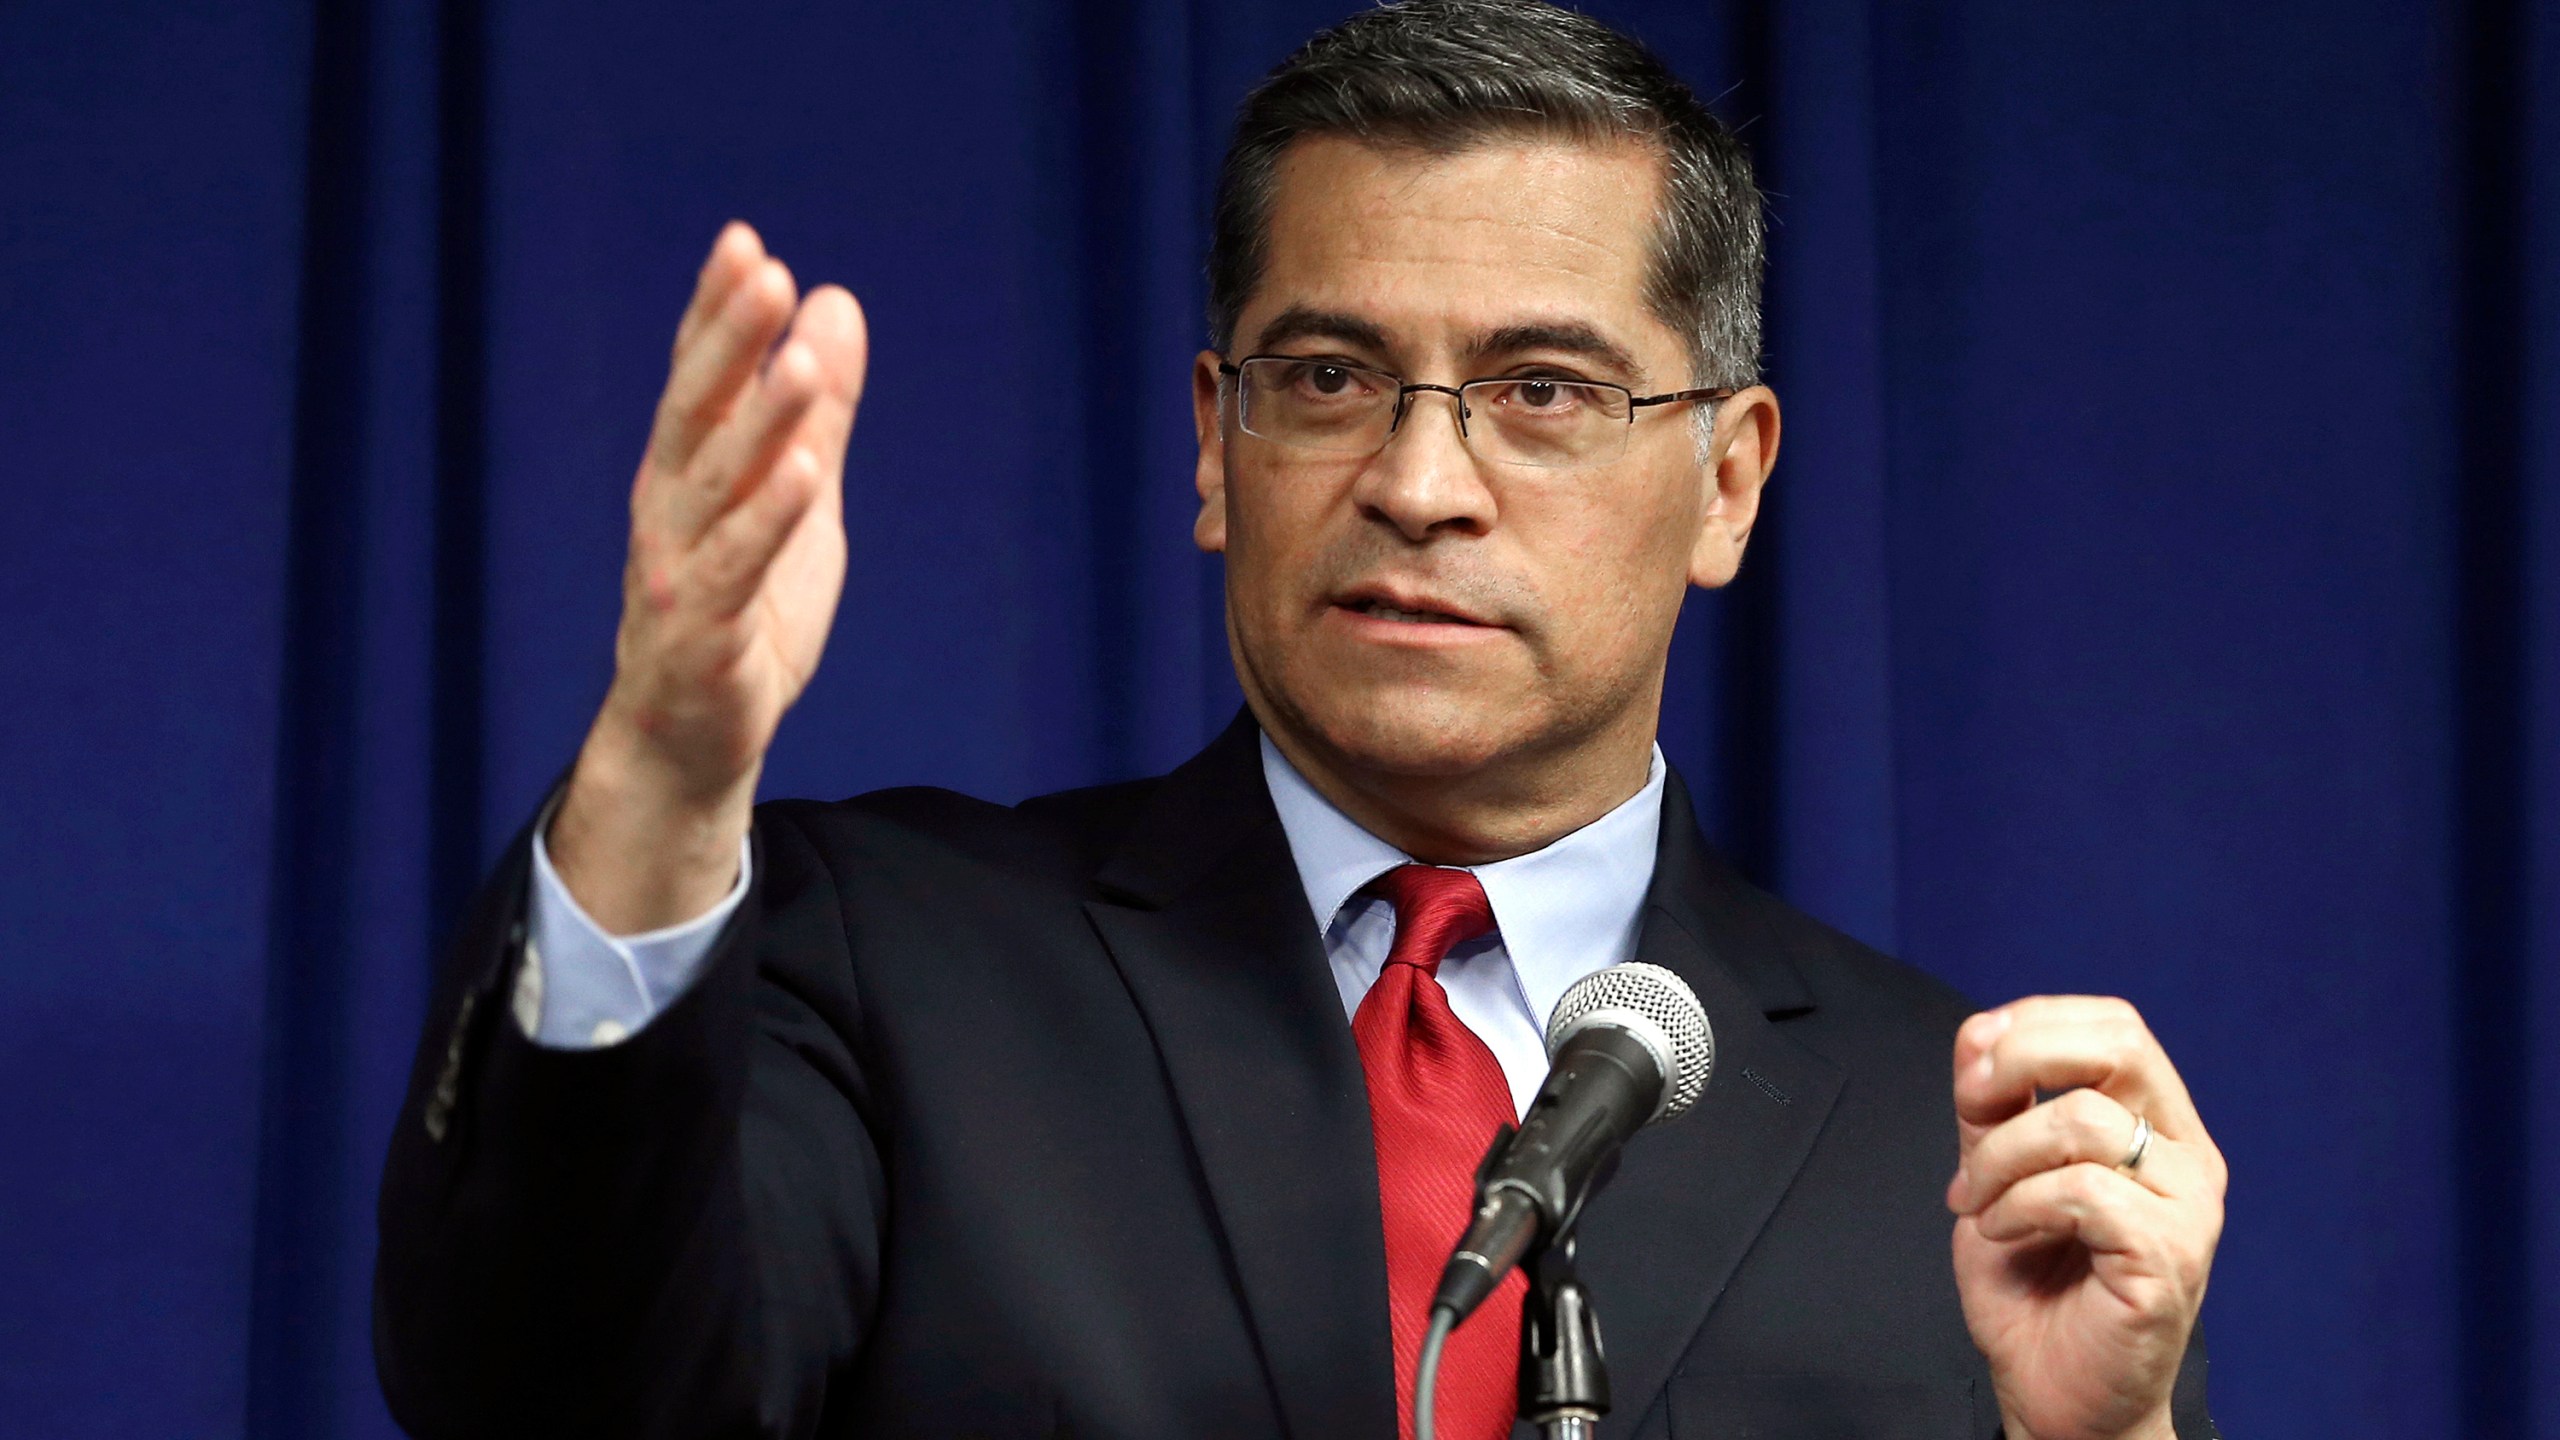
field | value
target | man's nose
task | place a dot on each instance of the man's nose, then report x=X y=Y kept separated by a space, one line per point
x=1425 y=480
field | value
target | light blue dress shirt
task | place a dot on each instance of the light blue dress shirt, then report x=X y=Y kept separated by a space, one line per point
x=580 y=988
x=1559 y=914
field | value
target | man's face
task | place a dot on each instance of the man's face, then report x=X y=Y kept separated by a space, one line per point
x=1419 y=612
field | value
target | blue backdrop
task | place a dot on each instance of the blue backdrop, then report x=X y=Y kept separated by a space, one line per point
x=2161 y=592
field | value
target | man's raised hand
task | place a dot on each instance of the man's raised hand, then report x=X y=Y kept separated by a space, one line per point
x=2086 y=1224
x=737 y=560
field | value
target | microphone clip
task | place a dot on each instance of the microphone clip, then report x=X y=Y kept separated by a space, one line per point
x=1564 y=1377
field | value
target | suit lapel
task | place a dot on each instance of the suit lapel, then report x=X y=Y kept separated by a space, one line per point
x=1690 y=1197
x=1203 y=915
x=1205 y=918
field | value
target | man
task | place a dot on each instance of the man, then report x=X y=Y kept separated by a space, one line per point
x=1150 y=1110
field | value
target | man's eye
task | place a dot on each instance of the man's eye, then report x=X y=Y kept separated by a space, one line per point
x=1328 y=379
x=1540 y=397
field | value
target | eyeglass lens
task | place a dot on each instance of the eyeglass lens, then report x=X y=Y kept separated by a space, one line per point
x=1344 y=409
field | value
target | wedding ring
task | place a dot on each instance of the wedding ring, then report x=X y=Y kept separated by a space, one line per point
x=2132 y=1160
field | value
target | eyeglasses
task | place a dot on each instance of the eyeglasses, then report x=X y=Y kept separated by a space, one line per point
x=1533 y=420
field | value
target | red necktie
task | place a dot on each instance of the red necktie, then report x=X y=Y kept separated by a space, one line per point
x=1436 y=1096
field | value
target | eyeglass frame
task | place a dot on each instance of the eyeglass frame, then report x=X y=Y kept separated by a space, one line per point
x=1405 y=389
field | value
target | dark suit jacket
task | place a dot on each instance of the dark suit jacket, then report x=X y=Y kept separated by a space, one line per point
x=1046 y=1121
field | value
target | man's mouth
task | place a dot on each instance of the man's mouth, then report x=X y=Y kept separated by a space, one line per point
x=1382 y=611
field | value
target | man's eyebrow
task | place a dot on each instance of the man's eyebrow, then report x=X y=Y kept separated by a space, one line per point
x=1298 y=322
x=1571 y=337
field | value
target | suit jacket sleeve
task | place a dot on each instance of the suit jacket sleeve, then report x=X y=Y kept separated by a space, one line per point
x=676 y=1235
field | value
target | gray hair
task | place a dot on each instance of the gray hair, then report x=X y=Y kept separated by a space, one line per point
x=1446 y=75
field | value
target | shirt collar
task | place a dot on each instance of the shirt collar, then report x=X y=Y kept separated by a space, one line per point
x=1563 y=911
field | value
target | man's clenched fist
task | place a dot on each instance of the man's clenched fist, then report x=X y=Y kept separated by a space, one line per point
x=2086 y=1224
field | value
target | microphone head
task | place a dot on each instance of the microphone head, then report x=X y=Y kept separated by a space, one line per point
x=1656 y=1007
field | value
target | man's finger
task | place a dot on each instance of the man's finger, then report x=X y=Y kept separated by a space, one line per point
x=2096 y=1206
x=733 y=257
x=764 y=423
x=2139 y=1247
x=735 y=555
x=832 y=325
x=2054 y=1043
x=719 y=363
x=807 y=396
x=2080 y=1126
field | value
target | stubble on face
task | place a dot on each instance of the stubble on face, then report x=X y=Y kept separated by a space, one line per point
x=1409 y=712
x=1545 y=708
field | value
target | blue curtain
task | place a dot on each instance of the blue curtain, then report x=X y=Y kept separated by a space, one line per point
x=2160 y=594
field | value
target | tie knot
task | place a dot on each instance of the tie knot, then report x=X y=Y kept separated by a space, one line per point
x=1436 y=911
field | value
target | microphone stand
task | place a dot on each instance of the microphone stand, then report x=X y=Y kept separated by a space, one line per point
x=1564 y=1381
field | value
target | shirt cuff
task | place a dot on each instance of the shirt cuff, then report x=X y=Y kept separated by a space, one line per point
x=582 y=989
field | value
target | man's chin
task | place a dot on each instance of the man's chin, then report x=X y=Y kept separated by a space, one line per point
x=1430 y=735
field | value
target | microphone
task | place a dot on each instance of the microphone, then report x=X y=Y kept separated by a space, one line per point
x=1627 y=1046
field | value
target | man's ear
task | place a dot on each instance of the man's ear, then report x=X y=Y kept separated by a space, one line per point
x=1738 y=463
x=1209 y=474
